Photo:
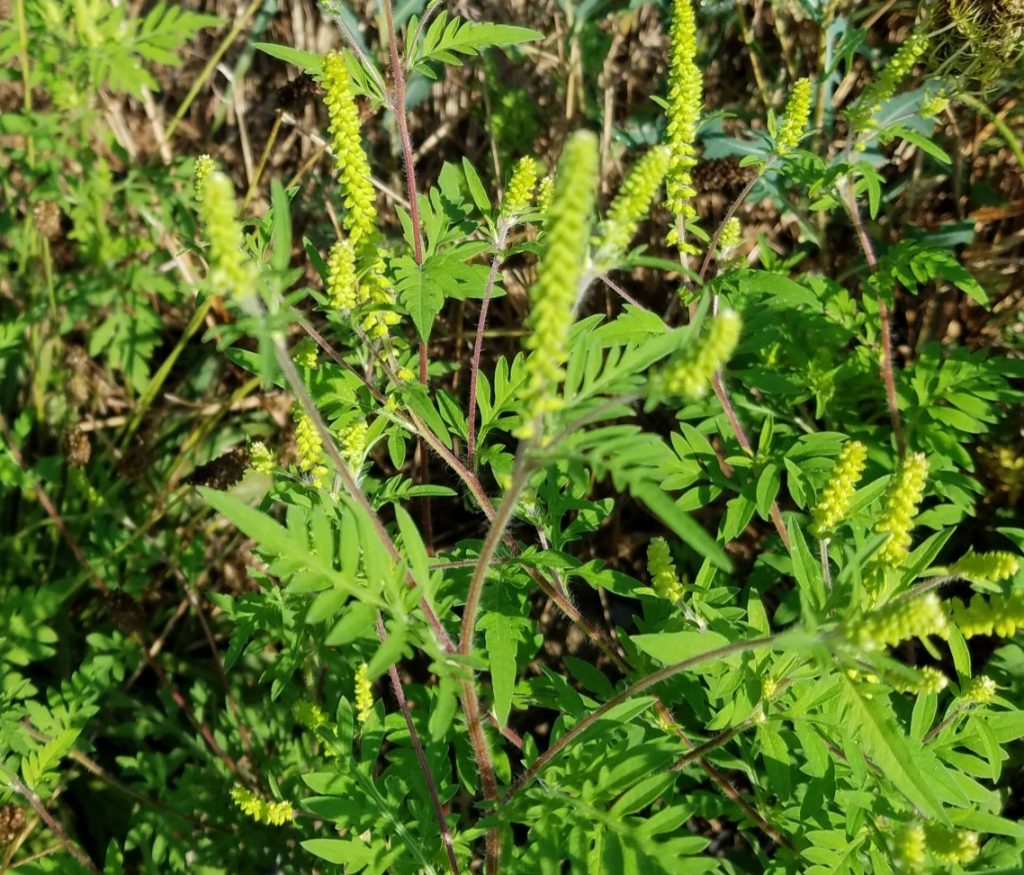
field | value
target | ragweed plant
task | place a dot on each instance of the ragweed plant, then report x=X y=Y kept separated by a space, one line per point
x=494 y=533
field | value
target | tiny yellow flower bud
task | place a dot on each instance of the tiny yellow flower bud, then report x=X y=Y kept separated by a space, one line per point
x=978 y=691
x=842 y=482
x=405 y=375
x=904 y=496
x=261 y=459
x=363 y=694
x=664 y=577
x=520 y=188
x=798 y=111
x=205 y=165
x=689 y=374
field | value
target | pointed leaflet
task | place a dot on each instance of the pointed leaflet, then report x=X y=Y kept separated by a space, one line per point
x=883 y=741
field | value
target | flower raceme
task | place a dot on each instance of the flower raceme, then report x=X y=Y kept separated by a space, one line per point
x=205 y=165
x=631 y=206
x=987 y=567
x=260 y=810
x=899 y=621
x=520 y=188
x=363 y=694
x=664 y=577
x=688 y=375
x=1001 y=615
x=978 y=691
x=902 y=500
x=309 y=449
x=341 y=276
x=842 y=482
x=798 y=111
x=261 y=459
x=231 y=273
x=685 y=97
x=553 y=296
x=353 y=168
x=860 y=115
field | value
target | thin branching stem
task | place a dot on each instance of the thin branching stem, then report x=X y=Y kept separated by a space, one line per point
x=478 y=340
x=421 y=758
x=884 y=325
x=33 y=799
x=635 y=689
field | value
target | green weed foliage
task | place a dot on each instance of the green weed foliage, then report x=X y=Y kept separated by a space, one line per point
x=307 y=569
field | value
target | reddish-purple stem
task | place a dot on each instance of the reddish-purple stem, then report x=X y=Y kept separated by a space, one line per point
x=888 y=375
x=478 y=341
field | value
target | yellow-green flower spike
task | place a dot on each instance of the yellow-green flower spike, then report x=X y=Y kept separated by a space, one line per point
x=1001 y=615
x=260 y=810
x=664 y=577
x=978 y=691
x=904 y=496
x=987 y=567
x=354 y=170
x=353 y=444
x=341 y=276
x=205 y=165
x=730 y=238
x=842 y=482
x=927 y=680
x=309 y=715
x=553 y=295
x=631 y=205
x=798 y=111
x=860 y=116
x=305 y=354
x=911 y=848
x=261 y=459
x=951 y=845
x=899 y=621
x=231 y=273
x=363 y=694
x=688 y=375
x=685 y=100
x=520 y=188
x=309 y=449
x=545 y=192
